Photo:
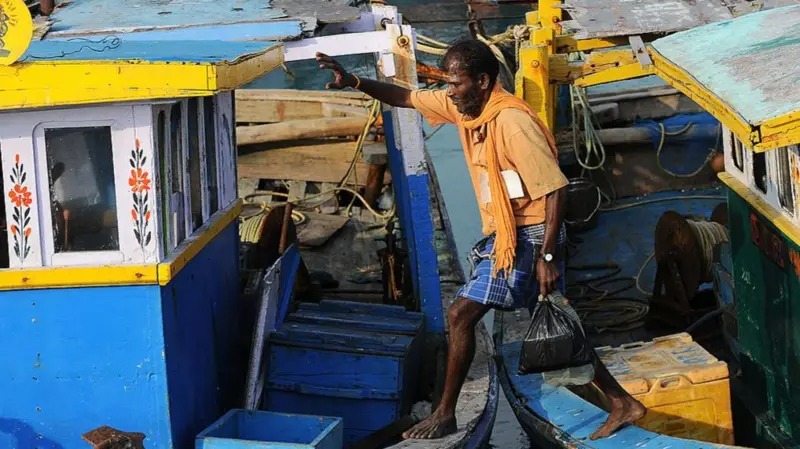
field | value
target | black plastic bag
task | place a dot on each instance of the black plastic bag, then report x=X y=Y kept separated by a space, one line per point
x=554 y=341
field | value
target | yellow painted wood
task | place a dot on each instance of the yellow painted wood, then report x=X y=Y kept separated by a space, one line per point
x=42 y=83
x=192 y=246
x=535 y=82
x=684 y=82
x=62 y=277
x=568 y=44
x=779 y=132
x=789 y=229
x=623 y=72
x=563 y=71
x=16 y=30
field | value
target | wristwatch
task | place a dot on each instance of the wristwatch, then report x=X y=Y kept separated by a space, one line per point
x=547 y=257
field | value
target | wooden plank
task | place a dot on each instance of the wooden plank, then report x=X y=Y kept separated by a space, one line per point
x=315 y=161
x=298 y=94
x=608 y=18
x=299 y=129
x=272 y=111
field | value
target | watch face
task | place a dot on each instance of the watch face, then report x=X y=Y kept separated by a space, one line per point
x=548 y=257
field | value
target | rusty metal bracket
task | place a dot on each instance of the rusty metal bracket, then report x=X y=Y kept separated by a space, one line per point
x=640 y=51
x=105 y=437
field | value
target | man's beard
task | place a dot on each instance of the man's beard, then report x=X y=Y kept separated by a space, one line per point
x=470 y=104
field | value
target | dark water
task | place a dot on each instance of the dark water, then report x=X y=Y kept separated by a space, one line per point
x=444 y=21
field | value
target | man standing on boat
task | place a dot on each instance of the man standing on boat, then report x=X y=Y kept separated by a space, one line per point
x=513 y=164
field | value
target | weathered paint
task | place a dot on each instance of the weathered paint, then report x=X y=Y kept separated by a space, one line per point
x=122 y=49
x=609 y=18
x=79 y=358
x=742 y=61
x=260 y=31
x=412 y=195
x=95 y=16
x=767 y=291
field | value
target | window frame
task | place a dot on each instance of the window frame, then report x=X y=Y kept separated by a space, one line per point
x=122 y=136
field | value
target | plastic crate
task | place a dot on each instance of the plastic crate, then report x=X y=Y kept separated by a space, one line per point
x=248 y=429
x=685 y=389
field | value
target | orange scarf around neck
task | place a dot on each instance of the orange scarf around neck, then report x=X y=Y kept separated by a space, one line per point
x=505 y=241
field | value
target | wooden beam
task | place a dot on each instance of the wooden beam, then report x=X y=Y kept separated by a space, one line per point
x=272 y=111
x=313 y=161
x=300 y=129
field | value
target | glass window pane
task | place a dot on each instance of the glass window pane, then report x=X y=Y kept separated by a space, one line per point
x=195 y=194
x=211 y=153
x=82 y=191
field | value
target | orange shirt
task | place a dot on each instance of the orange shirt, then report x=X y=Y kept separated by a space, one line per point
x=522 y=148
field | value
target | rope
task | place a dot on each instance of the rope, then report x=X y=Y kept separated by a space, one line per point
x=382 y=216
x=598 y=308
x=709 y=234
x=251 y=226
x=663 y=138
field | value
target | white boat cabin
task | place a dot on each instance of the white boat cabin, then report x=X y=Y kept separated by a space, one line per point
x=110 y=184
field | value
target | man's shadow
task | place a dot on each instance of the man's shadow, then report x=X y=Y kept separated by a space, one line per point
x=25 y=435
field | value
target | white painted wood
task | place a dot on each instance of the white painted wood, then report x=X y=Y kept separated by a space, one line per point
x=145 y=251
x=16 y=150
x=160 y=162
x=186 y=181
x=123 y=138
x=201 y=130
x=226 y=150
x=337 y=45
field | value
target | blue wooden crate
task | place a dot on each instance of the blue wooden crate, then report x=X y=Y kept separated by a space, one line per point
x=366 y=377
x=248 y=429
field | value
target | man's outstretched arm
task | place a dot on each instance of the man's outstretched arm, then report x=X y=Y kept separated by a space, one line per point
x=386 y=93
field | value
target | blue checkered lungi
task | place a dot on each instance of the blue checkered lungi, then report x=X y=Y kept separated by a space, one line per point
x=520 y=288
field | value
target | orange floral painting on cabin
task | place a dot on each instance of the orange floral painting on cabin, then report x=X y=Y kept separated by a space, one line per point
x=21 y=200
x=139 y=182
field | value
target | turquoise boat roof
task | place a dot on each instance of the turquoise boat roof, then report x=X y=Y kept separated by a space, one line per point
x=98 y=15
x=115 y=49
x=750 y=63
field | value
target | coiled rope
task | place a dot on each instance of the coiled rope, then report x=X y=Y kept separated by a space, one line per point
x=709 y=234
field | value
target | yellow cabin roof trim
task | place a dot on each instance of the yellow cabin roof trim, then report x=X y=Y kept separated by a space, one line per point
x=99 y=276
x=42 y=83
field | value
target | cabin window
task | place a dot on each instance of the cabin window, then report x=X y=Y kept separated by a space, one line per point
x=760 y=172
x=784 y=179
x=82 y=190
x=195 y=189
x=737 y=153
x=209 y=127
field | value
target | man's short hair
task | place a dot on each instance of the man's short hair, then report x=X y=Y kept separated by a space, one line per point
x=474 y=57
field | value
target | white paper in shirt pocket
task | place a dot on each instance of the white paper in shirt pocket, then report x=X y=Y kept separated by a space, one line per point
x=513 y=185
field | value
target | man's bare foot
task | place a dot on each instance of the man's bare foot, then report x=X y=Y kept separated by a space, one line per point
x=435 y=426
x=623 y=412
